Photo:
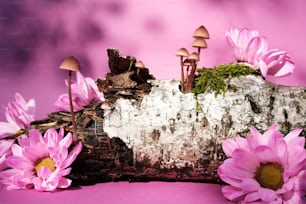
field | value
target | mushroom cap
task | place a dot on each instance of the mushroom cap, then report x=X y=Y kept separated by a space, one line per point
x=71 y=64
x=201 y=32
x=139 y=64
x=182 y=52
x=199 y=42
x=187 y=62
x=194 y=56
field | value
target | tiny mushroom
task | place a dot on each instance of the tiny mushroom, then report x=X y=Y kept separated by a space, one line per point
x=201 y=32
x=139 y=64
x=182 y=53
x=199 y=43
x=71 y=64
x=194 y=58
x=187 y=63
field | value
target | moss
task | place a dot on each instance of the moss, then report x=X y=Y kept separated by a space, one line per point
x=216 y=79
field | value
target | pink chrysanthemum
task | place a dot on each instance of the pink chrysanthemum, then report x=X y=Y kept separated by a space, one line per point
x=252 y=48
x=5 y=151
x=265 y=168
x=247 y=44
x=84 y=91
x=19 y=114
x=40 y=162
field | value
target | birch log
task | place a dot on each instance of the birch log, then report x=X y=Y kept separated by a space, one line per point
x=169 y=135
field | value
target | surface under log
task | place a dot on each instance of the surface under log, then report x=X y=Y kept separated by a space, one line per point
x=168 y=135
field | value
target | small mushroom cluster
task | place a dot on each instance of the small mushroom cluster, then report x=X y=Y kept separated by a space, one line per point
x=190 y=61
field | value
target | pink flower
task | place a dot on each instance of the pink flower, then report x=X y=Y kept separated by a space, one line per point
x=19 y=114
x=251 y=48
x=265 y=168
x=84 y=91
x=276 y=63
x=5 y=151
x=248 y=45
x=40 y=161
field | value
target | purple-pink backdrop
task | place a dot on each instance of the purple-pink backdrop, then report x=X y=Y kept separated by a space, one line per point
x=37 y=34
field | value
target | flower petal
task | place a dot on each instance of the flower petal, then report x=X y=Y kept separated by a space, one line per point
x=44 y=172
x=5 y=146
x=64 y=183
x=249 y=185
x=245 y=160
x=265 y=154
x=293 y=134
x=72 y=155
x=7 y=129
x=233 y=193
x=66 y=141
x=229 y=145
x=267 y=195
x=252 y=197
x=229 y=169
x=18 y=163
x=35 y=137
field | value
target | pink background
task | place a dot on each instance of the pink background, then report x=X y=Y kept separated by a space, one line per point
x=37 y=34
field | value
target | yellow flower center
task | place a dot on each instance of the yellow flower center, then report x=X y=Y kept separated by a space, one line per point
x=270 y=176
x=45 y=162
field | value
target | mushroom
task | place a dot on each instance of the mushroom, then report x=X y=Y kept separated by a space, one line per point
x=182 y=53
x=71 y=64
x=139 y=64
x=194 y=58
x=199 y=43
x=201 y=32
x=187 y=63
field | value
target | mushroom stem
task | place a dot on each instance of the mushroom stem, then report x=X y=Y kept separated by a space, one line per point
x=187 y=79
x=191 y=75
x=199 y=51
x=182 y=75
x=74 y=128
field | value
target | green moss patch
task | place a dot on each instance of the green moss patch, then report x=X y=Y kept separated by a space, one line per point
x=216 y=79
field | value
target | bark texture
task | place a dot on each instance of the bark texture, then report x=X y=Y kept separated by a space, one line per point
x=168 y=135
x=153 y=131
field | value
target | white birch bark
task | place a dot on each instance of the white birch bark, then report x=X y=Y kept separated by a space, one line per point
x=170 y=129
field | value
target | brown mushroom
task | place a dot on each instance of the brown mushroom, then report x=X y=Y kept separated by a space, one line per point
x=140 y=67
x=187 y=62
x=71 y=64
x=199 y=43
x=182 y=52
x=139 y=64
x=201 y=32
x=194 y=58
